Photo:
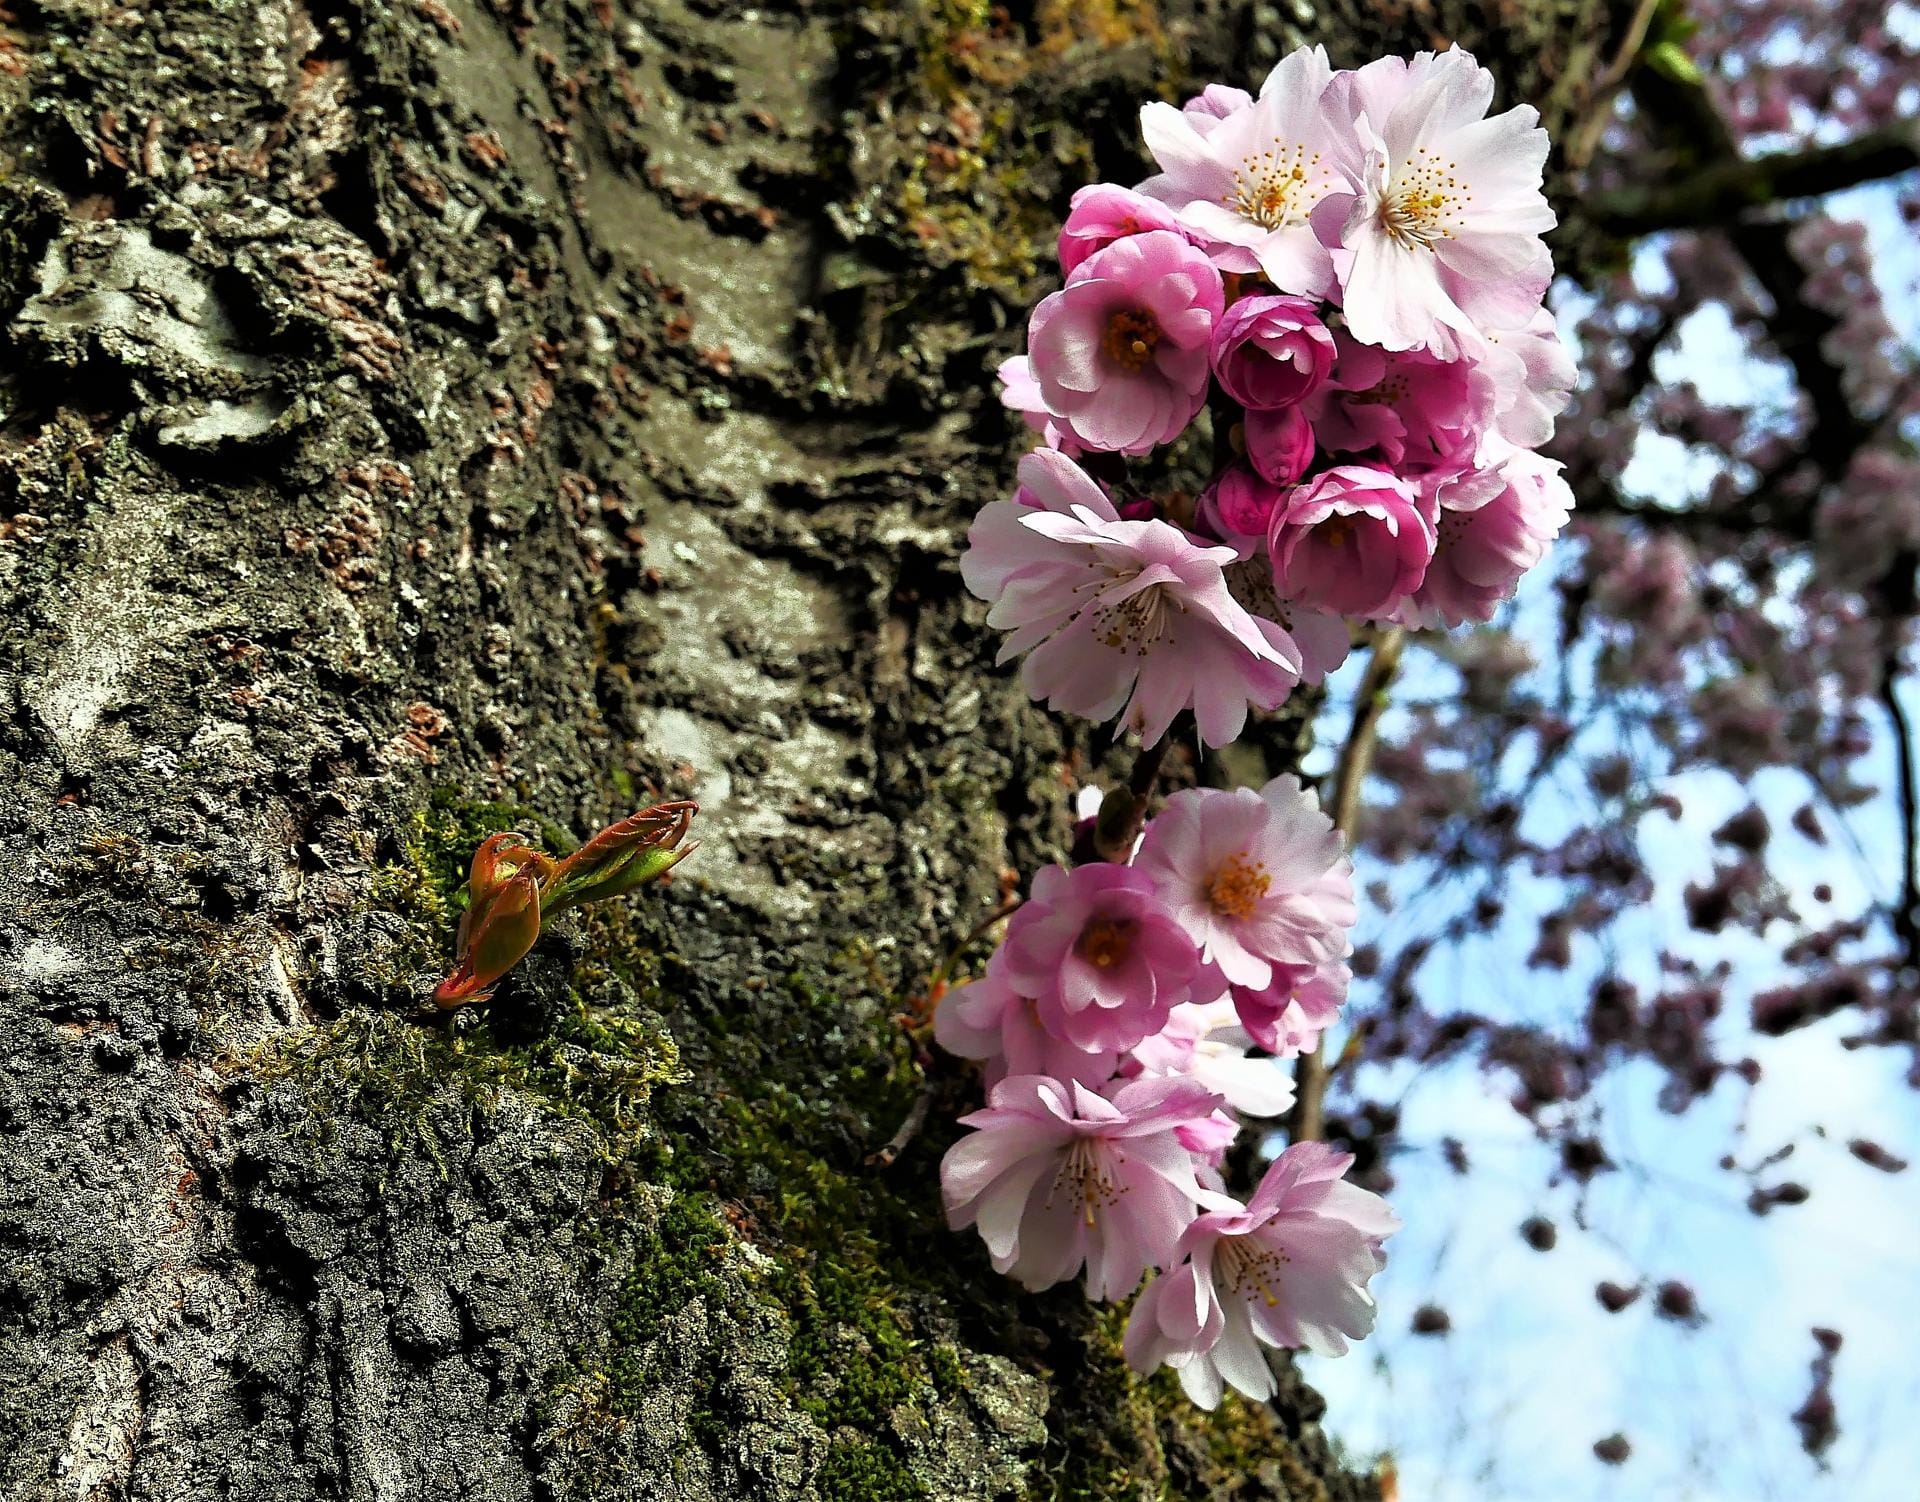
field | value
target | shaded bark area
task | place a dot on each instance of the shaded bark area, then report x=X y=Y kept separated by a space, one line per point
x=441 y=416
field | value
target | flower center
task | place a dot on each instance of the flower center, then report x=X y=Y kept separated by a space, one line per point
x=1131 y=335
x=1275 y=189
x=1107 y=942
x=1424 y=202
x=1137 y=622
x=1244 y=1265
x=1086 y=1174
x=1334 y=531
x=1237 y=887
x=1391 y=390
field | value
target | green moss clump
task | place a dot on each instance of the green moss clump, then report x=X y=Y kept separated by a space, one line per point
x=859 y=1470
x=677 y=1261
x=427 y=883
x=596 y=1065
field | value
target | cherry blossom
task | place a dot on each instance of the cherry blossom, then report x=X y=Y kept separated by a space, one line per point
x=1271 y=351
x=1287 y=1015
x=1120 y=353
x=1099 y=954
x=1444 y=237
x=1119 y=616
x=1101 y=213
x=1256 y=185
x=1482 y=549
x=989 y=1020
x=1057 y=1177
x=1255 y=878
x=1356 y=541
x=1290 y=1269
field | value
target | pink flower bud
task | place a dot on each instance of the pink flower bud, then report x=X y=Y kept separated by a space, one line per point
x=1280 y=443
x=1271 y=351
x=1239 y=504
x=1104 y=212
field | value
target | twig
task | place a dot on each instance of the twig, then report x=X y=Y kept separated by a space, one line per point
x=1308 y=1121
x=1607 y=86
x=939 y=977
x=1124 y=810
x=1906 y=916
x=909 y=1129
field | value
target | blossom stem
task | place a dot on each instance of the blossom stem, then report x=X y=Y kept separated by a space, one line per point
x=1308 y=1121
x=1124 y=810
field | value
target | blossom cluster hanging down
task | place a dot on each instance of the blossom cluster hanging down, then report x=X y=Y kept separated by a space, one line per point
x=1116 y=1025
x=1345 y=275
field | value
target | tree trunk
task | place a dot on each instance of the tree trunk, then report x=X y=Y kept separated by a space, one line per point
x=429 y=417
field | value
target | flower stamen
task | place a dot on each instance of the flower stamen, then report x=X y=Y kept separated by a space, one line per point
x=1237 y=887
x=1107 y=942
x=1132 y=334
x=1276 y=189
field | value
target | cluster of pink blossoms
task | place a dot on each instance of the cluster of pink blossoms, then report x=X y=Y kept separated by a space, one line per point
x=1346 y=272
x=1116 y=1025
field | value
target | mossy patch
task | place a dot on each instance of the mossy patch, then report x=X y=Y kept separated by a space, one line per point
x=426 y=882
x=847 y=1244
x=599 y=1065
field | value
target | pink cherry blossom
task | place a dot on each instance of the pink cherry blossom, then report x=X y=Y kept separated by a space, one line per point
x=1289 y=1270
x=1410 y=408
x=1104 y=212
x=1119 y=615
x=1101 y=957
x=1287 y=1015
x=1533 y=373
x=1355 y=541
x=988 y=1019
x=1271 y=351
x=1444 y=237
x=1057 y=1177
x=1481 y=552
x=1120 y=352
x=1256 y=879
x=1265 y=186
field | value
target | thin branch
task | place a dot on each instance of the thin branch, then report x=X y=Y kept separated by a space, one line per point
x=1124 y=810
x=1684 y=116
x=1308 y=1121
x=1719 y=192
x=937 y=982
x=1606 y=88
x=887 y=1156
x=1906 y=916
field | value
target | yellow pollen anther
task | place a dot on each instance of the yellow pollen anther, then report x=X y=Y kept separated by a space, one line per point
x=1107 y=942
x=1273 y=187
x=1132 y=334
x=1237 y=887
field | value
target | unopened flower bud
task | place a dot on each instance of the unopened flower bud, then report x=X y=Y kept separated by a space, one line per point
x=498 y=929
x=622 y=857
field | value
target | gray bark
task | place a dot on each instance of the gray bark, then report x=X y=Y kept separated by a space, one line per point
x=430 y=416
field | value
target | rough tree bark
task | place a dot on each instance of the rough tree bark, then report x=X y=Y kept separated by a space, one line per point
x=430 y=416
